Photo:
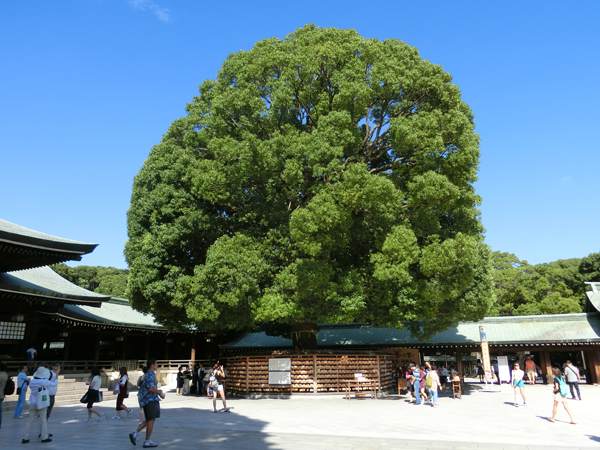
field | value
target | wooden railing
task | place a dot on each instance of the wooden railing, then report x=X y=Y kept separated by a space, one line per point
x=85 y=366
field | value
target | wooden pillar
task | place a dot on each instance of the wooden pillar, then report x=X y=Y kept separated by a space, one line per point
x=546 y=366
x=593 y=366
x=193 y=351
x=315 y=387
x=247 y=374
x=459 y=366
x=378 y=375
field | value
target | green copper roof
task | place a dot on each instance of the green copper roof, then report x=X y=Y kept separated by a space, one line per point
x=42 y=283
x=559 y=328
x=115 y=313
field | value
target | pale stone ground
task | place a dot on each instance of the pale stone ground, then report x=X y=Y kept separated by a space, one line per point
x=478 y=420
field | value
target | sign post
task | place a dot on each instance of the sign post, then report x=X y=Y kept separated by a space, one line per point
x=485 y=356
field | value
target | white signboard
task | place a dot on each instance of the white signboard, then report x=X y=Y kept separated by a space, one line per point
x=280 y=364
x=280 y=371
x=281 y=378
x=503 y=369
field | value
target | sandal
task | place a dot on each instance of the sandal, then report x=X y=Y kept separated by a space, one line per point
x=551 y=420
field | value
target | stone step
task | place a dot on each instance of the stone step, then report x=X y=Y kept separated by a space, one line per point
x=61 y=399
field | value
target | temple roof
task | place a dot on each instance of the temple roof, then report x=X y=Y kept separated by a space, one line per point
x=594 y=294
x=576 y=329
x=42 y=284
x=23 y=248
x=115 y=313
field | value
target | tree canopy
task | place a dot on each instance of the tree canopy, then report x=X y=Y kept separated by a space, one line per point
x=550 y=288
x=103 y=280
x=324 y=177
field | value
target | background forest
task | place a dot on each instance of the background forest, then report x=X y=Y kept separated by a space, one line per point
x=521 y=289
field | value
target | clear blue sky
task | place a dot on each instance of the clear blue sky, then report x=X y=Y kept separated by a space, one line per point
x=88 y=87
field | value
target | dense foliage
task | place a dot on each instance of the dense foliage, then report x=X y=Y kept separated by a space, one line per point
x=324 y=177
x=103 y=280
x=553 y=288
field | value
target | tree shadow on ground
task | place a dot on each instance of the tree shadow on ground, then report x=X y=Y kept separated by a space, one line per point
x=177 y=427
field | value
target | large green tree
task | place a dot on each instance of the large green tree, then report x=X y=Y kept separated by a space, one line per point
x=523 y=289
x=323 y=177
x=103 y=280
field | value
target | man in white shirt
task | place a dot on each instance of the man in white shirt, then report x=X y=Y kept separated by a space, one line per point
x=573 y=379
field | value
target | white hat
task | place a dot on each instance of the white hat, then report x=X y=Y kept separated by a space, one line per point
x=41 y=372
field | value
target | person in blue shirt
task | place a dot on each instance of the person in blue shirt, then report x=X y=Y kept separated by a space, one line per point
x=417 y=384
x=23 y=383
x=149 y=397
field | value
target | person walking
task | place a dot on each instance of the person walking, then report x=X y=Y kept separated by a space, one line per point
x=560 y=395
x=518 y=383
x=530 y=369
x=148 y=397
x=3 y=380
x=433 y=383
x=573 y=379
x=31 y=354
x=122 y=395
x=52 y=389
x=416 y=382
x=217 y=386
x=480 y=371
x=40 y=381
x=443 y=374
x=22 y=384
x=139 y=384
x=187 y=378
x=93 y=395
x=179 y=380
x=207 y=382
x=195 y=380
x=201 y=382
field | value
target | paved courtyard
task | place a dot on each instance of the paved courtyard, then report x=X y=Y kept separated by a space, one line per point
x=478 y=420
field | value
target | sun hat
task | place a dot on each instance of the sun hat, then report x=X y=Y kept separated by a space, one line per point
x=41 y=372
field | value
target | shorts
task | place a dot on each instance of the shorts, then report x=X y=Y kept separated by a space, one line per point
x=519 y=383
x=152 y=410
x=559 y=398
x=531 y=372
x=443 y=379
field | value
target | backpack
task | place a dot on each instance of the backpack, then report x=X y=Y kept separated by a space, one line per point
x=429 y=381
x=9 y=388
x=213 y=383
x=564 y=390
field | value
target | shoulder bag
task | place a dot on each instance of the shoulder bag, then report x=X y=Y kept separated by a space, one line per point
x=43 y=398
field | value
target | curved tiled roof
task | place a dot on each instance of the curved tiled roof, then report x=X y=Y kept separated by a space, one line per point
x=115 y=313
x=23 y=248
x=42 y=283
x=581 y=328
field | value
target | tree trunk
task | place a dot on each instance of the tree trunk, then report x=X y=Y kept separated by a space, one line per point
x=304 y=336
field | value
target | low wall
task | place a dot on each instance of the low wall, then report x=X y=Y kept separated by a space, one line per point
x=309 y=373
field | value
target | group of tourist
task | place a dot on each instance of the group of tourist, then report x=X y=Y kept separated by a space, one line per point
x=195 y=381
x=423 y=383
x=559 y=390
